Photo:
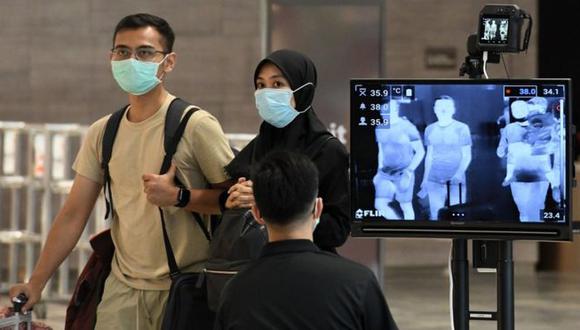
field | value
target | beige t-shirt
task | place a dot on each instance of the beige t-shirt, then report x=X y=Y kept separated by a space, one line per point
x=140 y=260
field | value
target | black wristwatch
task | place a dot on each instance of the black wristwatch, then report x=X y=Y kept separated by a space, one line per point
x=183 y=197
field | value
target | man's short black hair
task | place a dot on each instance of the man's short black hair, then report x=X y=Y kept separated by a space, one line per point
x=137 y=21
x=285 y=187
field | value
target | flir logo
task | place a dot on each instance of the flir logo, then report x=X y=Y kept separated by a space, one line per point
x=359 y=214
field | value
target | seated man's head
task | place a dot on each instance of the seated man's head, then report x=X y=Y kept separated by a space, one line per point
x=285 y=188
x=444 y=108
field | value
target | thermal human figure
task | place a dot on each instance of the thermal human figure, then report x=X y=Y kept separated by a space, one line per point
x=526 y=144
x=493 y=30
x=400 y=153
x=486 y=30
x=448 y=156
x=503 y=30
x=544 y=136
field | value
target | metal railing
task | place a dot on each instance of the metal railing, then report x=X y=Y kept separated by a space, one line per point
x=35 y=179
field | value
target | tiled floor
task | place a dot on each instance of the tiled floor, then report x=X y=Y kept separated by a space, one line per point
x=419 y=299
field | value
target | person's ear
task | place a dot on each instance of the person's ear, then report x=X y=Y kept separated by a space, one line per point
x=257 y=215
x=169 y=62
x=318 y=207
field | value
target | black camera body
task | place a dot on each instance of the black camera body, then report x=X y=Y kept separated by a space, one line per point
x=500 y=29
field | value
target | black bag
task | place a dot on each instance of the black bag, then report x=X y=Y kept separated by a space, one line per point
x=186 y=306
x=236 y=242
x=463 y=211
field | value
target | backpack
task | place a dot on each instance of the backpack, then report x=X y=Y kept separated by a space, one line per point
x=171 y=139
x=237 y=241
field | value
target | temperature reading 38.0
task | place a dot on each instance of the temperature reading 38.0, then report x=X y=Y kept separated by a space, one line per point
x=527 y=92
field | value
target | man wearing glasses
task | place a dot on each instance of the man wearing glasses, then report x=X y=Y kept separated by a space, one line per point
x=136 y=291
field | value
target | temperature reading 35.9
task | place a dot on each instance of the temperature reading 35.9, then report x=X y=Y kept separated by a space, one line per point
x=379 y=92
x=380 y=122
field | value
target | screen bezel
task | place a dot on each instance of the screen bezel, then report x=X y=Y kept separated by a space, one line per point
x=459 y=229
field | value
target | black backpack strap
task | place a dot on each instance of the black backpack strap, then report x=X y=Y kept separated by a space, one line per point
x=172 y=122
x=174 y=128
x=107 y=150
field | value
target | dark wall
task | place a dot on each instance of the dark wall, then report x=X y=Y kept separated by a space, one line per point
x=558 y=52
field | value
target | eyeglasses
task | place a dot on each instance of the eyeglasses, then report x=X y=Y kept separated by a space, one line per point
x=144 y=54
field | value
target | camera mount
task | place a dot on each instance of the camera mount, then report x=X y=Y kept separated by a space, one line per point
x=500 y=30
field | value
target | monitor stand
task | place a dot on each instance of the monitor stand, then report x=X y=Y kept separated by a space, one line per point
x=505 y=287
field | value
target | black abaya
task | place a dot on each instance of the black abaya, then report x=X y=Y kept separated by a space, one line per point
x=305 y=134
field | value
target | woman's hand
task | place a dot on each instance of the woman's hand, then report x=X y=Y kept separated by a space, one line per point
x=241 y=195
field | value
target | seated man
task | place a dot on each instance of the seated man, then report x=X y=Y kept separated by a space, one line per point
x=294 y=285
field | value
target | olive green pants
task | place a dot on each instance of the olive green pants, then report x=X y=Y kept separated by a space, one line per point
x=126 y=308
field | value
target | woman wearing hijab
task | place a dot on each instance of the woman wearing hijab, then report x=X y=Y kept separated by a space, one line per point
x=285 y=82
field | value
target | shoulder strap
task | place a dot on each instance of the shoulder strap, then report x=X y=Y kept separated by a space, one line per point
x=172 y=121
x=107 y=150
x=174 y=128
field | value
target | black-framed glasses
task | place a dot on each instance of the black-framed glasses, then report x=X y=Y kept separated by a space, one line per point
x=144 y=53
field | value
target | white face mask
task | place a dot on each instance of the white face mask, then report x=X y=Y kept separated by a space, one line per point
x=274 y=105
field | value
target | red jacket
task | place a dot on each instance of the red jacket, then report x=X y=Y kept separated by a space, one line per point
x=82 y=308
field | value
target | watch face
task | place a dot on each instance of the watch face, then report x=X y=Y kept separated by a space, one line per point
x=182 y=197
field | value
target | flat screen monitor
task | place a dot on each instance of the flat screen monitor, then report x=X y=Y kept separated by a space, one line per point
x=482 y=159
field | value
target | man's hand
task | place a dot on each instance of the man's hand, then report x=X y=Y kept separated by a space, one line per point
x=161 y=189
x=241 y=195
x=31 y=291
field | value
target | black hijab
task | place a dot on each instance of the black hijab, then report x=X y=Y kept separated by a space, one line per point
x=305 y=134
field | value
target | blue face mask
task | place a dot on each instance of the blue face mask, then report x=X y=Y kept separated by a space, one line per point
x=136 y=77
x=274 y=105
